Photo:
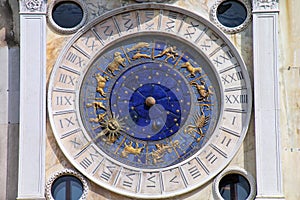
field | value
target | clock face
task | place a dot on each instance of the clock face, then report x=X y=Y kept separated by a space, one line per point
x=149 y=101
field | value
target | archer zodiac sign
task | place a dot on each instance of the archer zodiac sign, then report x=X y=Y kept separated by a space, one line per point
x=161 y=150
x=191 y=69
x=114 y=65
x=204 y=93
x=101 y=81
x=139 y=46
x=129 y=149
x=169 y=52
x=199 y=122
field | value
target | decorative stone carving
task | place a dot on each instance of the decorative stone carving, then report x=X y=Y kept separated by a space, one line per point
x=33 y=4
x=265 y=4
x=63 y=173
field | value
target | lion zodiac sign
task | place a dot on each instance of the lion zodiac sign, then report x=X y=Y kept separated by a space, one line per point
x=101 y=81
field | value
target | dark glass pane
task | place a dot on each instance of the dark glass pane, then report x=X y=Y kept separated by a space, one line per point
x=231 y=13
x=234 y=187
x=67 y=188
x=67 y=14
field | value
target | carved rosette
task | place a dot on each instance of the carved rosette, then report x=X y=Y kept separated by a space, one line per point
x=33 y=4
x=265 y=5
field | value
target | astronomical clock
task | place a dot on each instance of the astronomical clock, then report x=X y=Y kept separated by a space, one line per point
x=155 y=100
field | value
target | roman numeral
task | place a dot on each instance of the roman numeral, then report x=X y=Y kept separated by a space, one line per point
x=171 y=23
x=67 y=79
x=63 y=100
x=149 y=14
x=75 y=143
x=207 y=43
x=128 y=23
x=66 y=122
x=90 y=42
x=128 y=183
x=152 y=182
x=211 y=158
x=229 y=78
x=106 y=175
x=85 y=163
x=107 y=31
x=73 y=58
x=194 y=172
x=226 y=141
x=232 y=99
x=191 y=30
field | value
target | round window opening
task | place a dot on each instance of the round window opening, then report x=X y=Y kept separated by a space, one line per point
x=234 y=187
x=231 y=13
x=67 y=188
x=67 y=14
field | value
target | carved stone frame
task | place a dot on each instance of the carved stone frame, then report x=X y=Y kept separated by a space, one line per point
x=62 y=30
x=231 y=30
x=63 y=173
x=234 y=170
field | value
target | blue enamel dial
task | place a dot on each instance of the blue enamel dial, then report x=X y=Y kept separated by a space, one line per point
x=149 y=104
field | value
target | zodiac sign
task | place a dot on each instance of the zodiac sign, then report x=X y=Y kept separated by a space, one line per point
x=191 y=69
x=139 y=55
x=112 y=129
x=169 y=52
x=114 y=65
x=96 y=105
x=129 y=149
x=204 y=93
x=200 y=121
x=138 y=46
x=101 y=81
x=100 y=117
x=161 y=150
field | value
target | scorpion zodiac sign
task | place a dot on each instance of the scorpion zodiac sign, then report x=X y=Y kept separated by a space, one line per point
x=199 y=122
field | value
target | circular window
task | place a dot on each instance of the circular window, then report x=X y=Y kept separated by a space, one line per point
x=231 y=15
x=67 y=16
x=66 y=185
x=234 y=184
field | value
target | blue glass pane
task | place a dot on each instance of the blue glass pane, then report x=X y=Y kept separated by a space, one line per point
x=234 y=187
x=231 y=13
x=67 y=188
x=67 y=14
